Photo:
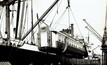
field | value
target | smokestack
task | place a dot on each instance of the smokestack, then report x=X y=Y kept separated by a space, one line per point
x=72 y=30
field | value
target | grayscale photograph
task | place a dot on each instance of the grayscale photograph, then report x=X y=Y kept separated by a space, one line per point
x=53 y=32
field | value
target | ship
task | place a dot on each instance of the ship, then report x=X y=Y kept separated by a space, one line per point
x=52 y=47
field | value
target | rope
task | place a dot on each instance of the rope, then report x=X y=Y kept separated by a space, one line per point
x=48 y=14
x=32 y=35
x=58 y=6
x=13 y=7
x=56 y=23
x=68 y=16
x=76 y=22
x=53 y=19
x=55 y=13
x=26 y=17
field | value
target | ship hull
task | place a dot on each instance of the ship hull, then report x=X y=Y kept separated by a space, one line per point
x=70 y=52
x=18 y=56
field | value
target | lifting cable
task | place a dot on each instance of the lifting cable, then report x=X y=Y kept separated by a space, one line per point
x=58 y=21
x=69 y=17
x=32 y=35
x=21 y=21
x=53 y=19
x=48 y=14
x=26 y=22
x=12 y=18
x=68 y=7
x=26 y=19
x=56 y=13
x=76 y=23
x=13 y=9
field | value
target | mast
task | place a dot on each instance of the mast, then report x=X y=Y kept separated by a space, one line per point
x=32 y=33
x=8 y=24
x=44 y=14
x=20 y=32
x=17 y=21
x=7 y=4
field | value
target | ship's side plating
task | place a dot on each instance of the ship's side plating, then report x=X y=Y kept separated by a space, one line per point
x=61 y=43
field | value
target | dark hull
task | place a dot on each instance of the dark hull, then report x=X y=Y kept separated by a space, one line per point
x=70 y=52
x=17 y=56
x=73 y=52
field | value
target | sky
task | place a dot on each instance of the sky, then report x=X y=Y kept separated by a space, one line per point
x=91 y=10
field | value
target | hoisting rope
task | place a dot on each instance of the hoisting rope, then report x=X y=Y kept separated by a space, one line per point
x=49 y=14
x=76 y=23
x=32 y=33
x=58 y=21
x=25 y=21
x=68 y=7
x=46 y=18
x=55 y=13
x=53 y=19
x=12 y=17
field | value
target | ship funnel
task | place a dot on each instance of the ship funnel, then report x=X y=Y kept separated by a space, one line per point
x=72 y=30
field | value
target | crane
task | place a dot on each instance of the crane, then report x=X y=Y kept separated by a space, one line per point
x=99 y=38
x=93 y=31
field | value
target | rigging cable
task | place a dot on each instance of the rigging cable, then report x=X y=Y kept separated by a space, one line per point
x=76 y=22
x=32 y=35
x=12 y=16
x=55 y=13
x=53 y=19
x=68 y=7
x=17 y=20
x=41 y=18
x=22 y=16
x=69 y=17
x=26 y=9
x=25 y=20
x=56 y=23
x=48 y=14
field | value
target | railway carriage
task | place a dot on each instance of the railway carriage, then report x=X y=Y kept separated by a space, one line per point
x=61 y=43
